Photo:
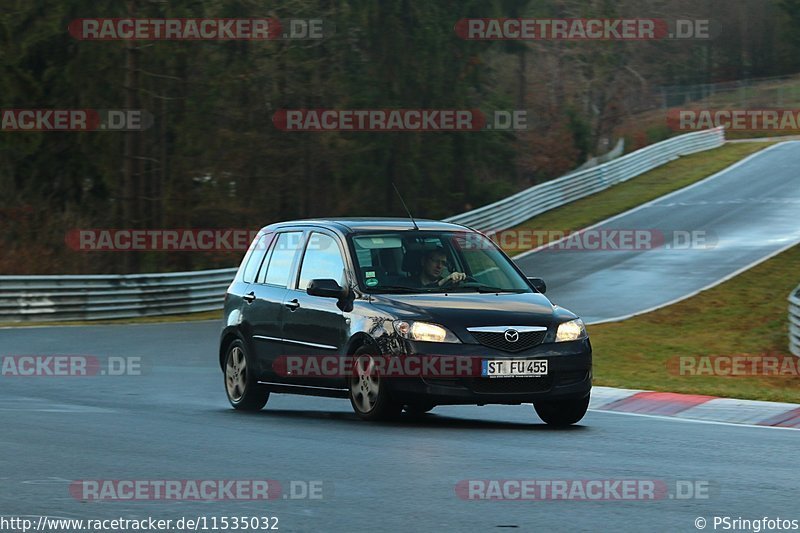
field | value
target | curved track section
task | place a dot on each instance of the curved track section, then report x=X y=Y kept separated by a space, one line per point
x=740 y=217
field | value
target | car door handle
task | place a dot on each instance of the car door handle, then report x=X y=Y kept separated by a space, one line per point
x=292 y=305
x=249 y=297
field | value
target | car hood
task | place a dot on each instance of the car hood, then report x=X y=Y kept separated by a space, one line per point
x=463 y=310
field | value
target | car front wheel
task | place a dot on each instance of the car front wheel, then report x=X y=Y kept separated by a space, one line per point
x=563 y=412
x=369 y=395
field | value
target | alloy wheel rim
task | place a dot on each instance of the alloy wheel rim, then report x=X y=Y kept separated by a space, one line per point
x=236 y=374
x=365 y=384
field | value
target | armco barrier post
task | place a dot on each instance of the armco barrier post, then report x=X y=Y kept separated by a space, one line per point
x=794 y=322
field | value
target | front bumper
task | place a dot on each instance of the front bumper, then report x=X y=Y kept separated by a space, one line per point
x=569 y=376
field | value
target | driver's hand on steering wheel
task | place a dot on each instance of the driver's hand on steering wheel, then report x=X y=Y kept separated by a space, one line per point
x=455 y=277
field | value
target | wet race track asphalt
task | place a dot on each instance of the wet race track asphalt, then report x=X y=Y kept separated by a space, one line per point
x=173 y=423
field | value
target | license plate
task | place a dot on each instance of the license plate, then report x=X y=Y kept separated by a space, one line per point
x=514 y=368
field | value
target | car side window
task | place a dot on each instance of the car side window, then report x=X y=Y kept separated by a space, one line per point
x=256 y=257
x=280 y=262
x=322 y=260
x=262 y=274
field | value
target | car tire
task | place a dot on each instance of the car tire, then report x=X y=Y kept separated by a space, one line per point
x=562 y=413
x=418 y=408
x=241 y=386
x=369 y=394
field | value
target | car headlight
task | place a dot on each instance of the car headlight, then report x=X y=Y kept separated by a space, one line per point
x=571 y=331
x=423 y=331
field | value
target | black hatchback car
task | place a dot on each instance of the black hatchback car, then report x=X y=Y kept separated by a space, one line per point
x=397 y=314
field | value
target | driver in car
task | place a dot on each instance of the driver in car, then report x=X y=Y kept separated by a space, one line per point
x=433 y=263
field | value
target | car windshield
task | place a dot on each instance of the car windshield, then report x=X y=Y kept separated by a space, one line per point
x=433 y=261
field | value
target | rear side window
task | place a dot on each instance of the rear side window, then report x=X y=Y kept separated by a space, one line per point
x=280 y=262
x=322 y=260
x=257 y=253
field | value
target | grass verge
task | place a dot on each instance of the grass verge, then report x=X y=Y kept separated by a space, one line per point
x=745 y=315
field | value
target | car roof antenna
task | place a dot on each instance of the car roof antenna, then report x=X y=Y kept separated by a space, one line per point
x=405 y=207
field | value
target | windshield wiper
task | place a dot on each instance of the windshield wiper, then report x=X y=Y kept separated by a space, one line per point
x=443 y=289
x=488 y=288
x=402 y=288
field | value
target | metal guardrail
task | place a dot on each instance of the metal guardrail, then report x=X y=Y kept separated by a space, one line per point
x=43 y=298
x=49 y=298
x=524 y=205
x=794 y=322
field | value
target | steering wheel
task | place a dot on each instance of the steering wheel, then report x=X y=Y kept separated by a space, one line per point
x=468 y=279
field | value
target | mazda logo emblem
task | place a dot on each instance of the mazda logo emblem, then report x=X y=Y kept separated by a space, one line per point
x=512 y=335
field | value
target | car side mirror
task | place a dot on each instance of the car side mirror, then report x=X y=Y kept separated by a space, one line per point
x=327 y=288
x=538 y=284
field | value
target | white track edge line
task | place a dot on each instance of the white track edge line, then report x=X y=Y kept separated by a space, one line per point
x=711 y=285
x=694 y=420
